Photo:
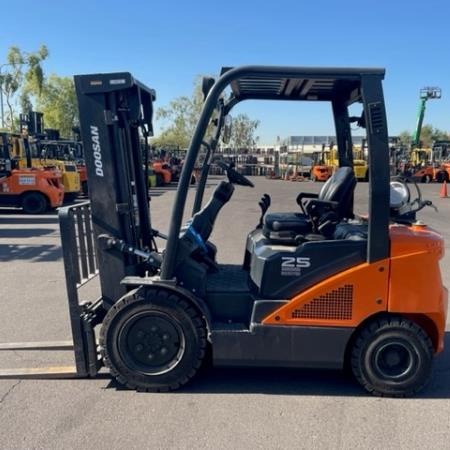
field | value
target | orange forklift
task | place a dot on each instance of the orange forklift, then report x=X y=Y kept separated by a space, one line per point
x=163 y=172
x=32 y=189
x=319 y=286
x=320 y=171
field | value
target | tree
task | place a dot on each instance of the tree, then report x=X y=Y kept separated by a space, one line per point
x=430 y=134
x=180 y=117
x=59 y=104
x=23 y=71
x=405 y=137
x=243 y=132
x=427 y=136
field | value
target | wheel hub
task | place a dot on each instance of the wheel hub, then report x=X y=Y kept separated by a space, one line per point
x=151 y=343
x=394 y=360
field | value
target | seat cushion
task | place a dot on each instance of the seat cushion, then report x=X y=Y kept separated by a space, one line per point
x=295 y=223
x=351 y=231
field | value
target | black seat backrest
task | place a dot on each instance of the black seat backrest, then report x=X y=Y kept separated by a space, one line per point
x=339 y=188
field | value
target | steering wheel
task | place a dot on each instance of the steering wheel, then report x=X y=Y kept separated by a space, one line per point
x=234 y=177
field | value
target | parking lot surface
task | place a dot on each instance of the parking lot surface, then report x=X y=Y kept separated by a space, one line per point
x=221 y=408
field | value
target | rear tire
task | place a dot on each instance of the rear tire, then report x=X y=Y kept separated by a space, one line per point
x=441 y=177
x=85 y=188
x=153 y=340
x=392 y=357
x=34 y=203
x=159 y=180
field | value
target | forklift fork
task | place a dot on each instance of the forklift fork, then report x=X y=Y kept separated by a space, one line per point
x=80 y=266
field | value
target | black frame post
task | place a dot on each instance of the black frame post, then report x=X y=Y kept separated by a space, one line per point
x=343 y=131
x=379 y=176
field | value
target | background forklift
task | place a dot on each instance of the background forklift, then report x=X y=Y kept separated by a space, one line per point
x=48 y=150
x=319 y=287
x=321 y=169
x=22 y=185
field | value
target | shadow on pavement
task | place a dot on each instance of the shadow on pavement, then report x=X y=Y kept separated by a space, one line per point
x=301 y=381
x=32 y=253
x=13 y=233
x=27 y=220
x=18 y=211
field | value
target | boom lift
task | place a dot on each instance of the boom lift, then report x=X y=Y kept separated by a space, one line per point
x=318 y=287
x=421 y=157
x=426 y=93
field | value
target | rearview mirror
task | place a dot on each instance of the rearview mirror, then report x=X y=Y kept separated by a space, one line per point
x=227 y=128
x=207 y=84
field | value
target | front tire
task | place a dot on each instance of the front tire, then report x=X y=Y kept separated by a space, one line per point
x=34 y=203
x=70 y=197
x=153 y=340
x=392 y=357
x=427 y=179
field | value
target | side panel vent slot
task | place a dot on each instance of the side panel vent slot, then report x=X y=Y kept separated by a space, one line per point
x=377 y=123
x=334 y=305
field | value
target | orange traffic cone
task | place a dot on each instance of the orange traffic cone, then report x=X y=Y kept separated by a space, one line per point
x=443 y=193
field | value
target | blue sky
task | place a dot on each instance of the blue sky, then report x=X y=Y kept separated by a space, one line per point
x=167 y=44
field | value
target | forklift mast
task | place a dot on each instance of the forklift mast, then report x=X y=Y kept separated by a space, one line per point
x=5 y=160
x=114 y=109
x=32 y=122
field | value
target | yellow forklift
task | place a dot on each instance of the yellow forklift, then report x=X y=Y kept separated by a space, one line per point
x=360 y=165
x=48 y=150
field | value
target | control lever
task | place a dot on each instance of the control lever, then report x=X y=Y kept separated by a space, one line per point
x=430 y=204
x=107 y=242
x=264 y=204
x=156 y=233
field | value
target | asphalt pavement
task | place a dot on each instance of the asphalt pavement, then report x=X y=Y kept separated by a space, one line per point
x=221 y=408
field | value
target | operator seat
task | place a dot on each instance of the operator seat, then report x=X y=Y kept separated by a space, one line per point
x=338 y=188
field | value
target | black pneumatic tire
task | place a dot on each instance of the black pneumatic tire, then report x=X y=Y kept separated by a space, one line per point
x=159 y=180
x=140 y=327
x=441 y=177
x=392 y=357
x=34 y=203
x=70 y=197
x=85 y=188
